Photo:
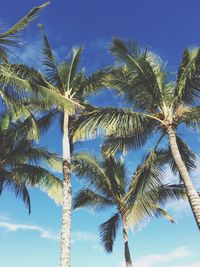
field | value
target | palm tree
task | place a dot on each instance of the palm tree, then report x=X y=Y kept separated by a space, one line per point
x=156 y=105
x=134 y=201
x=18 y=83
x=66 y=82
x=23 y=164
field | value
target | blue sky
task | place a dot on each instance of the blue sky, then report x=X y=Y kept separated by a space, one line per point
x=166 y=27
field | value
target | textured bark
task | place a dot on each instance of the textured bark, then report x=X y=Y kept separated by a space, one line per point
x=192 y=194
x=65 y=245
x=127 y=254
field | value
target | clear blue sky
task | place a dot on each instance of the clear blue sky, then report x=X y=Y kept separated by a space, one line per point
x=166 y=27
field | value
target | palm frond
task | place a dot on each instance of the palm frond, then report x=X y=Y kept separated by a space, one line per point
x=27 y=82
x=88 y=198
x=88 y=166
x=38 y=177
x=108 y=232
x=49 y=62
x=146 y=75
x=111 y=121
x=76 y=52
x=8 y=38
x=191 y=117
x=162 y=212
x=116 y=173
x=145 y=206
x=114 y=144
x=188 y=82
x=17 y=187
x=148 y=174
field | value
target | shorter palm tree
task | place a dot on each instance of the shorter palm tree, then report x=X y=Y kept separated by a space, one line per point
x=23 y=164
x=157 y=104
x=133 y=200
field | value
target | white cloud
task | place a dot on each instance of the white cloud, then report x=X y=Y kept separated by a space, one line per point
x=153 y=259
x=14 y=227
x=30 y=54
x=77 y=236
x=84 y=236
x=197 y=264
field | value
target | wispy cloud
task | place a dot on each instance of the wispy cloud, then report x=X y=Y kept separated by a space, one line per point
x=14 y=227
x=77 y=236
x=153 y=259
x=197 y=264
x=84 y=236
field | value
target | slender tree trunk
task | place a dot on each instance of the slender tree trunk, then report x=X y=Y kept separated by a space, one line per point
x=192 y=194
x=127 y=254
x=65 y=245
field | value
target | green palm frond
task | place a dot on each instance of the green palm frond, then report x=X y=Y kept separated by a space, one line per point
x=27 y=82
x=47 y=120
x=87 y=166
x=146 y=204
x=21 y=161
x=114 y=144
x=171 y=192
x=51 y=68
x=162 y=212
x=94 y=82
x=17 y=187
x=38 y=177
x=191 y=117
x=112 y=121
x=146 y=75
x=116 y=173
x=188 y=81
x=108 y=232
x=73 y=67
x=88 y=198
x=9 y=37
x=148 y=174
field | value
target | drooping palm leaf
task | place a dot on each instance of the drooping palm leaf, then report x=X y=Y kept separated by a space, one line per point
x=108 y=232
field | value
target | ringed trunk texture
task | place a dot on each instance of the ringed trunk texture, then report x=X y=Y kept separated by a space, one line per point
x=192 y=194
x=127 y=254
x=65 y=241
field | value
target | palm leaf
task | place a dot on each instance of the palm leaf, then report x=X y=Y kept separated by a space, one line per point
x=111 y=121
x=140 y=64
x=87 y=166
x=49 y=62
x=188 y=82
x=73 y=66
x=8 y=38
x=108 y=232
x=88 y=198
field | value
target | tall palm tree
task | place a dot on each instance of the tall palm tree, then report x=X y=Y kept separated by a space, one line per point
x=156 y=105
x=134 y=200
x=18 y=84
x=67 y=82
x=23 y=164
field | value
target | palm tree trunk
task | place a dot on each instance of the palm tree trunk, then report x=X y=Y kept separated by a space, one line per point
x=127 y=254
x=67 y=198
x=192 y=194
